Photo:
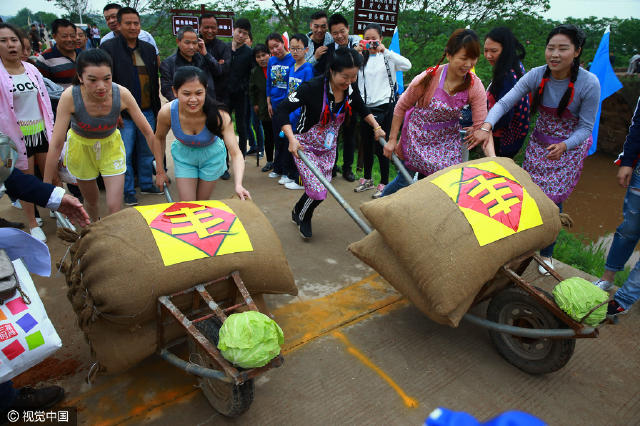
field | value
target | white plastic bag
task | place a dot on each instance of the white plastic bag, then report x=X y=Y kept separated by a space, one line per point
x=27 y=336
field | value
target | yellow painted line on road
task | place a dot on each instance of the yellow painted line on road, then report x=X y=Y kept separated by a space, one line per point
x=302 y=322
x=408 y=401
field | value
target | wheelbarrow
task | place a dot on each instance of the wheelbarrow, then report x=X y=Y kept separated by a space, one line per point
x=526 y=326
x=228 y=389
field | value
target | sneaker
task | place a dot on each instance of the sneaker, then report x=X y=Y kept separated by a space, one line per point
x=273 y=175
x=130 y=200
x=37 y=399
x=17 y=204
x=4 y=223
x=295 y=218
x=544 y=271
x=378 y=192
x=364 y=184
x=252 y=151
x=268 y=167
x=348 y=175
x=284 y=180
x=39 y=221
x=614 y=309
x=154 y=190
x=226 y=175
x=305 y=229
x=52 y=214
x=293 y=185
x=603 y=284
x=38 y=234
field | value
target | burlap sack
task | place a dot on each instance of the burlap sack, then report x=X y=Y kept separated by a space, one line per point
x=116 y=272
x=373 y=251
x=435 y=244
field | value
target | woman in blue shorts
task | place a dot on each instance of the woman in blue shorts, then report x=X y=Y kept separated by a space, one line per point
x=199 y=125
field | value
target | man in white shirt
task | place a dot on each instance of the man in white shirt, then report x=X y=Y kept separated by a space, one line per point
x=110 y=13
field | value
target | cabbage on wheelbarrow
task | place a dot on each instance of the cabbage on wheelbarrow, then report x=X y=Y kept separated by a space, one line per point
x=441 y=239
x=577 y=296
x=250 y=339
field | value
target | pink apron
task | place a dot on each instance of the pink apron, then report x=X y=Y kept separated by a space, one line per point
x=556 y=178
x=321 y=151
x=431 y=135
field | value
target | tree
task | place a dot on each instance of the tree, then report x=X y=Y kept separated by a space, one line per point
x=474 y=11
x=74 y=6
x=22 y=18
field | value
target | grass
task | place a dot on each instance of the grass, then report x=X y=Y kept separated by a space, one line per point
x=581 y=253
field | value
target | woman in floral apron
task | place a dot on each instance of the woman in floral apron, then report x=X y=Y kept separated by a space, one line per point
x=326 y=103
x=431 y=109
x=567 y=98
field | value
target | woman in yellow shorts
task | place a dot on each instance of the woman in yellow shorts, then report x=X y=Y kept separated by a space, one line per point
x=92 y=106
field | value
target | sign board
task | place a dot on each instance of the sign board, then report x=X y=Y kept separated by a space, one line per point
x=225 y=27
x=184 y=21
x=383 y=12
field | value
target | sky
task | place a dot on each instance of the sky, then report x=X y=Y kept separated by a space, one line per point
x=560 y=9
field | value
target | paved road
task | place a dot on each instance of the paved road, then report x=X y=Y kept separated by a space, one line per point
x=355 y=351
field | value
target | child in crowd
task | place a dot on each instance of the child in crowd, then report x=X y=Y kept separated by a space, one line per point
x=92 y=105
x=278 y=69
x=258 y=99
x=200 y=124
x=302 y=71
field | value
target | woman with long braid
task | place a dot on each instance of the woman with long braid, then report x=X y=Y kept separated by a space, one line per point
x=431 y=109
x=567 y=98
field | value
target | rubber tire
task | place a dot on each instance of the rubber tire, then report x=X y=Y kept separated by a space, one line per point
x=555 y=353
x=226 y=398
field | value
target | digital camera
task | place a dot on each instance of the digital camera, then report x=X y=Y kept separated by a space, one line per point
x=369 y=44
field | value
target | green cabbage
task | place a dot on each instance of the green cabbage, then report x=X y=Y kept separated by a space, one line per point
x=250 y=339
x=577 y=296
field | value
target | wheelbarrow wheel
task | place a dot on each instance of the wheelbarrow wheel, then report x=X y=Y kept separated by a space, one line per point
x=514 y=306
x=226 y=398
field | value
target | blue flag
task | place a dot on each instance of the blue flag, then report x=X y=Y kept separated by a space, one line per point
x=609 y=83
x=395 y=47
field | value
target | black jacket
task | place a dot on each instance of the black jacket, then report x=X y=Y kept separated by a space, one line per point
x=241 y=63
x=28 y=188
x=168 y=68
x=310 y=99
x=631 y=148
x=220 y=50
x=126 y=74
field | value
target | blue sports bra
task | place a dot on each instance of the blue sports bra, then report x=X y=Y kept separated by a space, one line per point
x=202 y=139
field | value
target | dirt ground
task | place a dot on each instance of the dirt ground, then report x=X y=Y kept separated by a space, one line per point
x=355 y=350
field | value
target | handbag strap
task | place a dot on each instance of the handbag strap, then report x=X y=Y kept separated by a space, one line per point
x=392 y=98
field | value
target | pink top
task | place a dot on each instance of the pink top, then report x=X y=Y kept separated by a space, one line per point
x=8 y=120
x=415 y=96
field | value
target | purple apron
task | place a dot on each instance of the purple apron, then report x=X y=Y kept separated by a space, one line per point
x=556 y=178
x=431 y=135
x=321 y=151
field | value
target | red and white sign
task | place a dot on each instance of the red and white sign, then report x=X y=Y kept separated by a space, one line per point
x=383 y=12
x=225 y=27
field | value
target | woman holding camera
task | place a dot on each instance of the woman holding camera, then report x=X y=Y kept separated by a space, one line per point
x=377 y=84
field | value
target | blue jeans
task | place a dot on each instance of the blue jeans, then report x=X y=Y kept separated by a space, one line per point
x=7 y=395
x=548 y=251
x=135 y=142
x=397 y=184
x=624 y=241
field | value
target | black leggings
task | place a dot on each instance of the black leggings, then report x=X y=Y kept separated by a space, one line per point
x=267 y=129
x=370 y=145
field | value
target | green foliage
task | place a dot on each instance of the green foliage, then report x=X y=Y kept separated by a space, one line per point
x=579 y=252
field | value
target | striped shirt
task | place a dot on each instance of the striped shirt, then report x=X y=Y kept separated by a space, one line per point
x=57 y=67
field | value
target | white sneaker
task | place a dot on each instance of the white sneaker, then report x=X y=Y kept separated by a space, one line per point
x=284 y=180
x=293 y=185
x=603 y=284
x=544 y=271
x=52 y=214
x=38 y=234
x=17 y=204
x=273 y=175
x=39 y=221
